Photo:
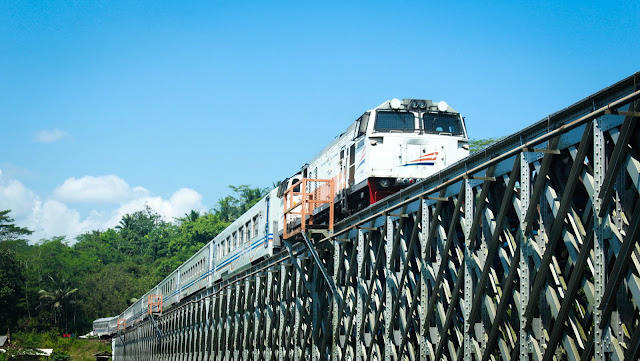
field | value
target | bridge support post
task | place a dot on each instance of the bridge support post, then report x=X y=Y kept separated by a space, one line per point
x=424 y=274
x=360 y=297
x=207 y=328
x=389 y=347
x=599 y=226
x=335 y=321
x=297 y=329
x=468 y=280
x=284 y=311
x=237 y=320
x=525 y=195
x=247 y=319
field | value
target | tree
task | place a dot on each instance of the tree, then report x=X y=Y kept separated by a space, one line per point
x=231 y=207
x=8 y=230
x=11 y=289
x=52 y=286
x=12 y=237
x=134 y=229
x=108 y=290
x=59 y=300
x=12 y=278
x=476 y=145
x=190 y=217
x=192 y=236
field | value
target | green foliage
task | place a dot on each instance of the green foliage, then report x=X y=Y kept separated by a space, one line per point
x=231 y=207
x=476 y=145
x=8 y=230
x=56 y=356
x=52 y=287
x=11 y=288
x=64 y=348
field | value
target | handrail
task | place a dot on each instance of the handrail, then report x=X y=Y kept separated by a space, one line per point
x=302 y=203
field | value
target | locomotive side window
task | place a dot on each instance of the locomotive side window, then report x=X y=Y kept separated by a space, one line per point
x=442 y=123
x=386 y=120
x=363 y=123
x=247 y=228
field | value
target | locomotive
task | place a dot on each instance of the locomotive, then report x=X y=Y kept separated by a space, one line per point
x=386 y=149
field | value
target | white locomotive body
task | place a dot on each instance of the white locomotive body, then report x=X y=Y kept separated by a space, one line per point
x=387 y=148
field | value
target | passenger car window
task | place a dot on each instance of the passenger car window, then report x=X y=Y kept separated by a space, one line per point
x=255 y=226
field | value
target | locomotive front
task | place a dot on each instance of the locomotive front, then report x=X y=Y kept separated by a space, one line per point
x=401 y=142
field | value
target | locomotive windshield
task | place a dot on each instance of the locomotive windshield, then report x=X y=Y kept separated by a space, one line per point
x=403 y=121
x=442 y=123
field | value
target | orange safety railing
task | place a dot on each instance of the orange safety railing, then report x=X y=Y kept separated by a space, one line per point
x=154 y=304
x=122 y=324
x=301 y=204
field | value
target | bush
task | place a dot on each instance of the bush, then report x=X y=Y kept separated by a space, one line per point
x=56 y=356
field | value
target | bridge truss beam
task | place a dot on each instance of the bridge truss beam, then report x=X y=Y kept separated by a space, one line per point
x=527 y=250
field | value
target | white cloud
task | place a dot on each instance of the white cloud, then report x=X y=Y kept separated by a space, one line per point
x=102 y=189
x=181 y=202
x=49 y=136
x=53 y=217
x=16 y=197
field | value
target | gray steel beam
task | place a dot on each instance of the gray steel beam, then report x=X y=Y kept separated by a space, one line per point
x=569 y=297
x=599 y=226
x=389 y=289
x=524 y=241
x=558 y=224
x=507 y=286
x=616 y=160
x=494 y=241
x=449 y=316
x=451 y=236
x=466 y=266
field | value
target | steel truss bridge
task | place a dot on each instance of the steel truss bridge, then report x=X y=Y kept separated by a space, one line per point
x=525 y=250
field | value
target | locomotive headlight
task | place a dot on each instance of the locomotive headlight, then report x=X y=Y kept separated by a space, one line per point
x=423 y=104
x=385 y=183
x=414 y=104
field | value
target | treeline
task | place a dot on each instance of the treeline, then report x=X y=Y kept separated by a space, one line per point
x=56 y=285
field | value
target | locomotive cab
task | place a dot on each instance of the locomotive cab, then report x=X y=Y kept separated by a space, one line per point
x=388 y=148
x=402 y=142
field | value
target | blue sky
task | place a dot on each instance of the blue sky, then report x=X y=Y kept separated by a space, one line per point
x=107 y=105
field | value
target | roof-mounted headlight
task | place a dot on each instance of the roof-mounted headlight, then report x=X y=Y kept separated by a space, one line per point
x=414 y=104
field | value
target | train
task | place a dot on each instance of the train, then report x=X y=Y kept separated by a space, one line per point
x=388 y=148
